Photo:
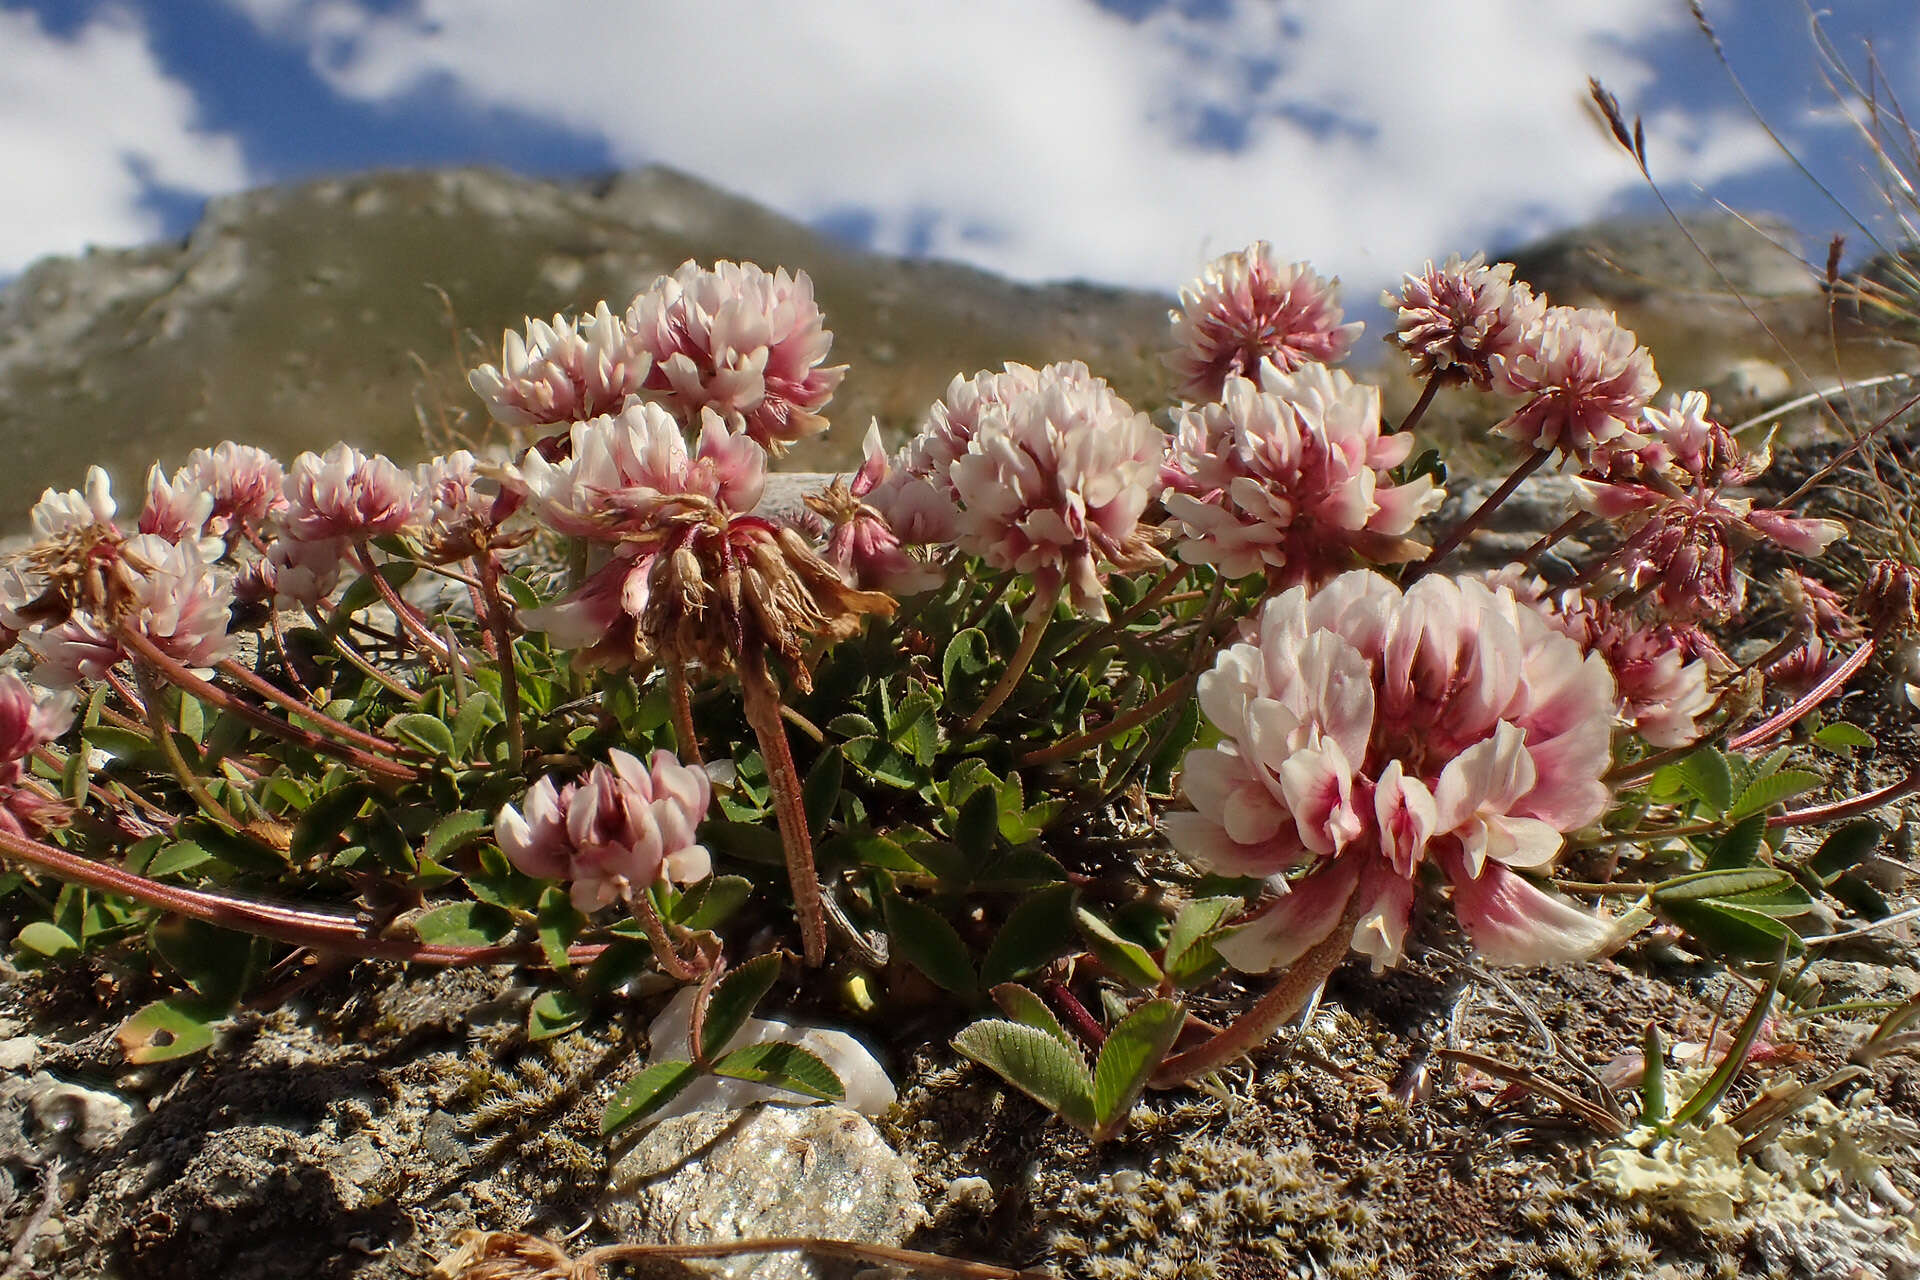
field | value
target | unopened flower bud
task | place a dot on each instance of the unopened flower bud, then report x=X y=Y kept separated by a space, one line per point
x=1886 y=599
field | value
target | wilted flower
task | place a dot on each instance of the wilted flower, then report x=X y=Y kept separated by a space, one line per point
x=1290 y=477
x=1367 y=732
x=247 y=485
x=1246 y=308
x=860 y=541
x=567 y=371
x=614 y=831
x=1053 y=484
x=739 y=341
x=1822 y=621
x=1887 y=599
x=347 y=494
x=163 y=591
x=1586 y=379
x=459 y=516
x=1454 y=319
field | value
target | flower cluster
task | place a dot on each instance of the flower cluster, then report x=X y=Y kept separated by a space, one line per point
x=1247 y=308
x=29 y=720
x=1366 y=732
x=1289 y=477
x=614 y=831
x=566 y=371
x=1455 y=320
x=1586 y=380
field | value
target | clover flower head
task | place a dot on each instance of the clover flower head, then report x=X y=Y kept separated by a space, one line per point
x=614 y=831
x=73 y=510
x=460 y=514
x=1053 y=485
x=1455 y=318
x=950 y=425
x=1289 y=477
x=247 y=485
x=739 y=341
x=1661 y=670
x=1247 y=307
x=1366 y=732
x=177 y=508
x=569 y=370
x=860 y=541
x=30 y=718
x=1586 y=380
x=295 y=572
x=624 y=473
x=347 y=494
x=165 y=591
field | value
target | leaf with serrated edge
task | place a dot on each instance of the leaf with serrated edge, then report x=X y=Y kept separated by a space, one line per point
x=1193 y=922
x=1036 y=1064
x=1128 y=960
x=930 y=944
x=646 y=1093
x=1706 y=775
x=1763 y=793
x=1133 y=1050
x=733 y=1001
x=1030 y=1010
x=1036 y=931
x=783 y=1066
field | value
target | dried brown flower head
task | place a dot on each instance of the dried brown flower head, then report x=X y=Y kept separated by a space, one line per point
x=509 y=1255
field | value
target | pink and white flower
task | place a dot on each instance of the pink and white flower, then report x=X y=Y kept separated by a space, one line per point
x=1454 y=319
x=175 y=600
x=739 y=341
x=569 y=370
x=347 y=494
x=1290 y=478
x=1247 y=307
x=860 y=541
x=74 y=510
x=613 y=832
x=1586 y=380
x=28 y=721
x=247 y=485
x=1053 y=485
x=1367 y=732
x=302 y=573
x=176 y=508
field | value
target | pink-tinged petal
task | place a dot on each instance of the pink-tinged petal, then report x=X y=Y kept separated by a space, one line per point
x=1509 y=921
x=1204 y=842
x=1295 y=922
x=1406 y=816
x=1339 y=692
x=1381 y=934
x=1614 y=501
x=1798 y=534
x=1318 y=786
x=1487 y=777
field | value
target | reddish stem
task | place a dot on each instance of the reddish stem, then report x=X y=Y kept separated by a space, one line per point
x=409 y=617
x=215 y=696
x=1456 y=535
x=280 y=697
x=1085 y=1025
x=1835 y=810
x=762 y=701
x=499 y=625
x=1789 y=715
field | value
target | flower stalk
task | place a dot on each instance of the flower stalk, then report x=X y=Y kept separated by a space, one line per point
x=762 y=701
x=1039 y=614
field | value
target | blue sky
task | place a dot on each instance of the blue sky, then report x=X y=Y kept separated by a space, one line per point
x=1114 y=140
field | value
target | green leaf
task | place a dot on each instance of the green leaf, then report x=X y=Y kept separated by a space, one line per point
x=1719 y=884
x=455 y=832
x=181 y=855
x=966 y=656
x=783 y=1066
x=463 y=924
x=215 y=962
x=554 y=1013
x=1037 y=931
x=557 y=922
x=1028 y=1009
x=879 y=761
x=747 y=841
x=1842 y=738
x=327 y=818
x=821 y=790
x=1728 y=931
x=1133 y=1050
x=654 y=1087
x=1763 y=793
x=1128 y=961
x=915 y=728
x=1715 y=1088
x=710 y=902
x=1739 y=845
x=479 y=713
x=167 y=1029
x=241 y=852
x=121 y=744
x=48 y=939
x=1195 y=922
x=1705 y=774
x=1034 y=1062
x=978 y=825
x=424 y=732
x=1845 y=848
x=852 y=726
x=733 y=1000
x=76 y=780
x=931 y=945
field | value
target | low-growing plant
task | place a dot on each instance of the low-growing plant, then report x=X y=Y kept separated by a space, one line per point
x=1061 y=708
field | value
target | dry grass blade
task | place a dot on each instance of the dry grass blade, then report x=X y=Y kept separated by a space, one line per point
x=1590 y=1114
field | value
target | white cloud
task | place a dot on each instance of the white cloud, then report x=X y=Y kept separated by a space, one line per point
x=86 y=123
x=1049 y=138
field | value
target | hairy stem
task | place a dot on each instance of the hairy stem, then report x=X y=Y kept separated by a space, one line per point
x=1788 y=716
x=1039 y=614
x=762 y=701
x=281 y=698
x=1420 y=406
x=664 y=951
x=1288 y=995
x=499 y=626
x=163 y=738
x=409 y=617
x=680 y=696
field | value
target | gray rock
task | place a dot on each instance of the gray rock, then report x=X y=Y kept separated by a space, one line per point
x=43 y=1116
x=1541 y=503
x=19 y=1052
x=767 y=1171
